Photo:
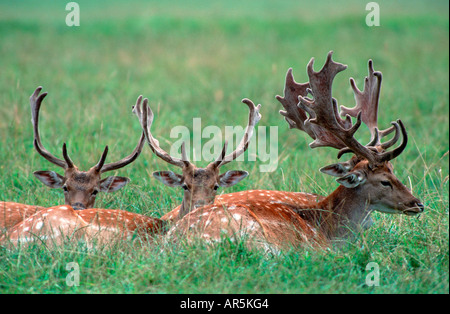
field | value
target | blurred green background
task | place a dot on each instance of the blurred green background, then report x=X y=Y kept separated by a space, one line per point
x=199 y=59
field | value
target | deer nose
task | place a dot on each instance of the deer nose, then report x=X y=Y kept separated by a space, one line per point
x=78 y=206
x=200 y=203
x=421 y=207
x=414 y=208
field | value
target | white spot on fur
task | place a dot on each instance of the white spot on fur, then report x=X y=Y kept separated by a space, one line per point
x=63 y=221
x=39 y=225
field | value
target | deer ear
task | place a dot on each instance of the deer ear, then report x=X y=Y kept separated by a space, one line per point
x=50 y=179
x=113 y=183
x=232 y=177
x=352 y=179
x=336 y=170
x=169 y=178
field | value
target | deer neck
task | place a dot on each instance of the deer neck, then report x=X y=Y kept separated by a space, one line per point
x=346 y=213
x=185 y=208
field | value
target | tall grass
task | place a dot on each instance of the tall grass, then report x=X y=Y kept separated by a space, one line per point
x=199 y=59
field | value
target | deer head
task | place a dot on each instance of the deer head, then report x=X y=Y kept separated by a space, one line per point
x=80 y=187
x=200 y=185
x=368 y=176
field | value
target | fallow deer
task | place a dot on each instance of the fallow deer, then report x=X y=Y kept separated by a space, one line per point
x=80 y=187
x=57 y=225
x=11 y=213
x=367 y=182
x=200 y=185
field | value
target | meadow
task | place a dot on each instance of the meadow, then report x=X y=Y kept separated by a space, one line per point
x=199 y=59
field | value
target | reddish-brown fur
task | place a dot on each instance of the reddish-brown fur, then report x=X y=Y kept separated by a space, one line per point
x=57 y=224
x=12 y=213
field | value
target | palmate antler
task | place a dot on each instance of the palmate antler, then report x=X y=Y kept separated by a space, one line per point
x=324 y=124
x=297 y=117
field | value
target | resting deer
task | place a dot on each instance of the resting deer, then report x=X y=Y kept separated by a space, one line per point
x=367 y=182
x=80 y=187
x=200 y=185
x=57 y=225
x=11 y=213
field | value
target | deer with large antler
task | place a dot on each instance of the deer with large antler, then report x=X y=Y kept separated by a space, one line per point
x=367 y=182
x=80 y=187
x=200 y=184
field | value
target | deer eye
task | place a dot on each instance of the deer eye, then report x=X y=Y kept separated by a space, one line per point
x=386 y=183
x=95 y=192
x=185 y=187
x=216 y=187
x=65 y=189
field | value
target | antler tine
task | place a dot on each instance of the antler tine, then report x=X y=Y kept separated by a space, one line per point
x=145 y=116
x=66 y=157
x=293 y=115
x=253 y=118
x=221 y=157
x=386 y=156
x=130 y=158
x=184 y=156
x=35 y=103
x=98 y=167
x=366 y=100
x=126 y=160
x=375 y=141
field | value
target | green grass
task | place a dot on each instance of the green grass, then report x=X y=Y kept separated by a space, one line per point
x=199 y=59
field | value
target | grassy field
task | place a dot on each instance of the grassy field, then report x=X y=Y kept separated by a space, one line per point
x=199 y=59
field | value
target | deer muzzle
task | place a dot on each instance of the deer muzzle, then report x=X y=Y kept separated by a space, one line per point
x=78 y=206
x=415 y=208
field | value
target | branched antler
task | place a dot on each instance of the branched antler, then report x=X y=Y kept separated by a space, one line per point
x=145 y=116
x=339 y=133
x=297 y=117
x=35 y=103
x=126 y=160
x=253 y=118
